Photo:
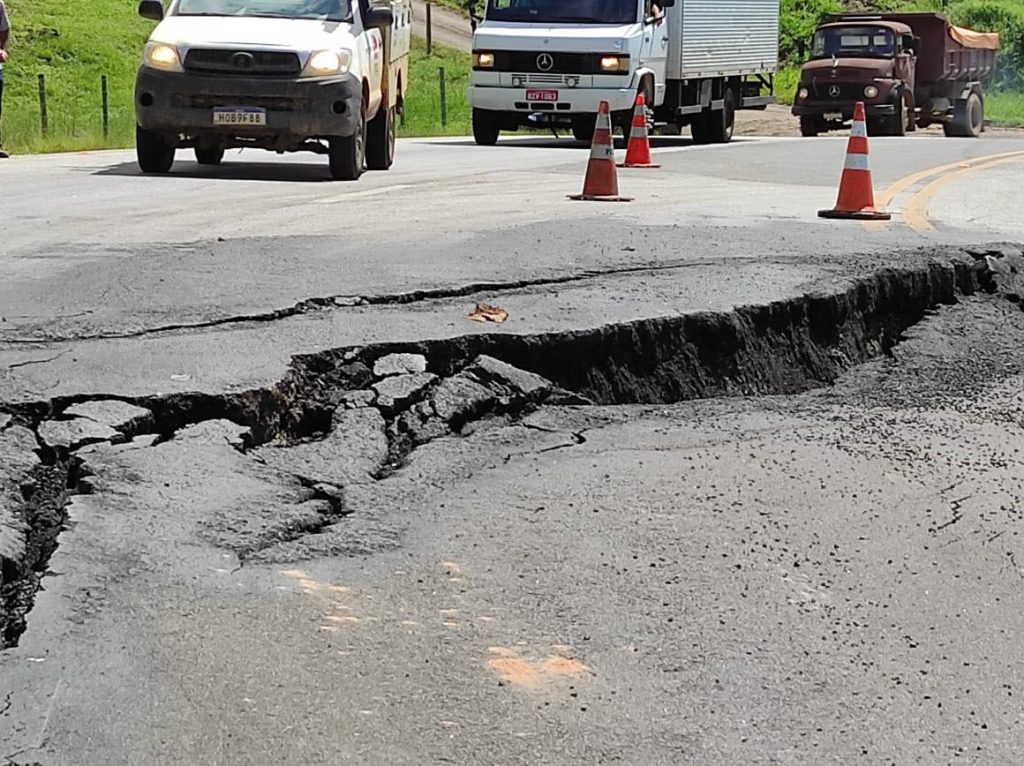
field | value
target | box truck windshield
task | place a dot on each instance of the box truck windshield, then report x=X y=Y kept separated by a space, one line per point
x=564 y=11
x=324 y=10
x=854 y=42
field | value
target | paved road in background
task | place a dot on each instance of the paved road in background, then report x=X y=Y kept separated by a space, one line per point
x=827 y=577
x=98 y=258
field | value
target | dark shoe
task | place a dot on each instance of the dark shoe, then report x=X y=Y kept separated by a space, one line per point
x=3 y=155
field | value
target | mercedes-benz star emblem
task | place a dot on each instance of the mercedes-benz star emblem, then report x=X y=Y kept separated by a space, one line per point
x=242 y=60
x=545 y=62
x=835 y=91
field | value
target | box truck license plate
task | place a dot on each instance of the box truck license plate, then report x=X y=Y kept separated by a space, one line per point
x=235 y=116
x=542 y=95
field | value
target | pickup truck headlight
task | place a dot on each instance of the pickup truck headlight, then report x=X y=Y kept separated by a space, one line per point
x=870 y=92
x=615 y=63
x=161 y=56
x=325 y=63
x=483 y=60
x=803 y=94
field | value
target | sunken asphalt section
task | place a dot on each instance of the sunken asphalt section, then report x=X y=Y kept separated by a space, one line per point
x=338 y=460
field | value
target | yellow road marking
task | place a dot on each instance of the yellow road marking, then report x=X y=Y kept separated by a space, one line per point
x=915 y=215
x=964 y=166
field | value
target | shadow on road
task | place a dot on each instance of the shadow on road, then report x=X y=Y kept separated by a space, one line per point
x=233 y=170
x=539 y=142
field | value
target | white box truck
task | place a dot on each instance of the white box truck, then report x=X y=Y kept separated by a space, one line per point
x=551 y=63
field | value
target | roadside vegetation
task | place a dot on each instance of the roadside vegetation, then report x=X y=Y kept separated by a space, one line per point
x=75 y=42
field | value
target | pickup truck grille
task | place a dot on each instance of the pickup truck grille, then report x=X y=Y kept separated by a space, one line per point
x=271 y=103
x=242 y=62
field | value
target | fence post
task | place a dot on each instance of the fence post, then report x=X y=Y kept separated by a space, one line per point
x=444 y=96
x=430 y=31
x=44 y=119
x=106 y=107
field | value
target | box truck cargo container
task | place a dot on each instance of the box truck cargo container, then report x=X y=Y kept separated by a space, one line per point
x=551 y=63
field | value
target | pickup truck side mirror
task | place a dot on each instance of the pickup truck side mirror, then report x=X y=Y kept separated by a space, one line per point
x=473 y=10
x=151 y=9
x=667 y=4
x=910 y=43
x=378 y=17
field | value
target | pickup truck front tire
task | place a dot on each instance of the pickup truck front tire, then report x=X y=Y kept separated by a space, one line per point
x=380 y=140
x=153 y=153
x=347 y=154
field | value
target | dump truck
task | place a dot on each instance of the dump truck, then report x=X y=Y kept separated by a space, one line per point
x=911 y=70
x=324 y=76
x=550 y=63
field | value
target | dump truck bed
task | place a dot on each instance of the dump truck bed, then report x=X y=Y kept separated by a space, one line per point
x=947 y=52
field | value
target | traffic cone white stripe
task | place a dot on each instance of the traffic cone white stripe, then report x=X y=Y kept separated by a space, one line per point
x=602 y=152
x=857 y=162
x=859 y=129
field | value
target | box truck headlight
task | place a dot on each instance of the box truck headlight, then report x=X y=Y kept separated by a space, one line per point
x=162 y=56
x=324 y=63
x=483 y=60
x=615 y=63
x=871 y=91
x=803 y=94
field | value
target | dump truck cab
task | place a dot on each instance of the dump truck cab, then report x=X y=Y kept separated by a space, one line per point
x=851 y=61
x=910 y=70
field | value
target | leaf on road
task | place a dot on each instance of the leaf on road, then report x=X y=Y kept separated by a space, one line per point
x=486 y=313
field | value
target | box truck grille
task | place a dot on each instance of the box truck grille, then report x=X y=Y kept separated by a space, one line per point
x=548 y=64
x=242 y=62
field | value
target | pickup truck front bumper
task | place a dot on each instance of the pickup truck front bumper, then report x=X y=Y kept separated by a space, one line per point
x=182 y=104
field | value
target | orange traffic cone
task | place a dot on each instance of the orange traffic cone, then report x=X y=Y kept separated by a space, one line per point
x=602 y=183
x=856 y=193
x=638 y=152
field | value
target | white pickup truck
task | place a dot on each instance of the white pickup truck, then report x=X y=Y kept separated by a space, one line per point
x=552 y=62
x=327 y=76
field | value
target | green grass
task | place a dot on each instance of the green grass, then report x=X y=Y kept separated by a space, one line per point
x=1005 y=108
x=72 y=43
x=423 y=101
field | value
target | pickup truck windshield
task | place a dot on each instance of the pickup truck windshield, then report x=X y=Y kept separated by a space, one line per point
x=854 y=42
x=325 y=10
x=565 y=11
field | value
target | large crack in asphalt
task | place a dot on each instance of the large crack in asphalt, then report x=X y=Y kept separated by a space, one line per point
x=343 y=422
x=330 y=302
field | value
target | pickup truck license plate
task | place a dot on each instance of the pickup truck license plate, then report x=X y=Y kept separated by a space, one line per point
x=542 y=95
x=837 y=116
x=239 y=116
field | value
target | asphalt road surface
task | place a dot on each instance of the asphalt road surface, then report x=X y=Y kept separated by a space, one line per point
x=760 y=502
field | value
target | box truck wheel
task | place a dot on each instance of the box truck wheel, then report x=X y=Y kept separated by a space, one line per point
x=968 y=118
x=486 y=127
x=153 y=154
x=380 y=140
x=722 y=124
x=347 y=154
x=583 y=128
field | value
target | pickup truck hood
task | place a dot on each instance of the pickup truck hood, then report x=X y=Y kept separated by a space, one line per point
x=560 y=38
x=848 y=70
x=238 y=31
